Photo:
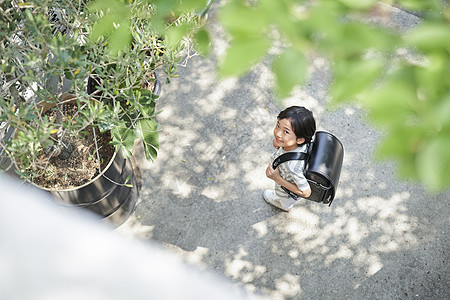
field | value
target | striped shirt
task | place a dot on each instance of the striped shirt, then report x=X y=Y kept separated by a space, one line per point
x=291 y=170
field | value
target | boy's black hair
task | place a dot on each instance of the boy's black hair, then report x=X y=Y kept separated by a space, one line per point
x=302 y=121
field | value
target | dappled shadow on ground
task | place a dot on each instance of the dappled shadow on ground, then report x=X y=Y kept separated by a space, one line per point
x=202 y=198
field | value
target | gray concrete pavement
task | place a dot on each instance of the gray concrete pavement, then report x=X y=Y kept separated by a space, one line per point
x=202 y=198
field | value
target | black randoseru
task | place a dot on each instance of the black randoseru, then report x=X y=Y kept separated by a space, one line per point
x=323 y=164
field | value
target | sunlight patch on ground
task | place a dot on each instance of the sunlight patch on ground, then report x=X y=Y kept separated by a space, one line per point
x=213 y=102
x=244 y=270
x=213 y=192
x=302 y=223
x=181 y=135
x=179 y=187
x=197 y=257
x=208 y=149
x=303 y=98
x=287 y=286
x=356 y=230
x=255 y=176
x=131 y=230
x=265 y=76
x=260 y=228
x=165 y=113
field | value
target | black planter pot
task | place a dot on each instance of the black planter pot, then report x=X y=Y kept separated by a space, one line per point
x=105 y=195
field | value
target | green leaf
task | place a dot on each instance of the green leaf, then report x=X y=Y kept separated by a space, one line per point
x=429 y=77
x=105 y=126
x=242 y=55
x=394 y=144
x=147 y=102
x=189 y=5
x=359 y=4
x=165 y=6
x=403 y=144
x=120 y=38
x=289 y=69
x=243 y=21
x=148 y=131
x=434 y=163
x=440 y=112
x=203 y=42
x=418 y=5
x=175 y=34
x=123 y=137
x=429 y=36
x=353 y=77
x=392 y=105
x=103 y=27
x=114 y=24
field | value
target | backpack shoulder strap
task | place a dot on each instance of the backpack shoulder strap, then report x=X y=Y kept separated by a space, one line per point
x=288 y=156
x=284 y=158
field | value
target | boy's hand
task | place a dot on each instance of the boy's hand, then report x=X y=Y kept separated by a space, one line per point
x=273 y=143
x=271 y=173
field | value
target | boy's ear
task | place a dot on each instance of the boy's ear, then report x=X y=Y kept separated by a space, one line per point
x=300 y=141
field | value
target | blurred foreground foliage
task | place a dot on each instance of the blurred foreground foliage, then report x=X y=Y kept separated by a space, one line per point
x=400 y=77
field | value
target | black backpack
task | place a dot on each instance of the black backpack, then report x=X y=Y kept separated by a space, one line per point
x=323 y=164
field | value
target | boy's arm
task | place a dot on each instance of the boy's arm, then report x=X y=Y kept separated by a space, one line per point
x=275 y=176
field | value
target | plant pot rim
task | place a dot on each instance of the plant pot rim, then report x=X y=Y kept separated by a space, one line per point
x=70 y=98
x=111 y=161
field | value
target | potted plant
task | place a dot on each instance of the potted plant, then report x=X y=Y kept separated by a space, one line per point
x=79 y=85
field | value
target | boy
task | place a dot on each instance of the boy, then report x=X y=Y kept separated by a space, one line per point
x=293 y=133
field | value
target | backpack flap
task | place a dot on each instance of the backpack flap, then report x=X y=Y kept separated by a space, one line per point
x=319 y=192
x=324 y=166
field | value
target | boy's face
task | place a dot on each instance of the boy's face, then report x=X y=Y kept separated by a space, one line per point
x=285 y=136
